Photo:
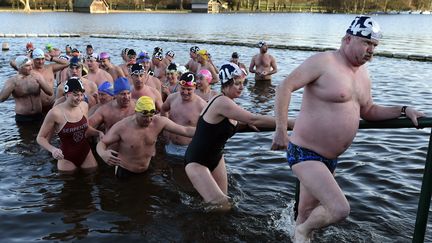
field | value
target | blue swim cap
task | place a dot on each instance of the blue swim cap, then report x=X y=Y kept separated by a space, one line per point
x=121 y=84
x=107 y=88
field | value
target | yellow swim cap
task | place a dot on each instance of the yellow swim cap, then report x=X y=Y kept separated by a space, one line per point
x=145 y=103
x=203 y=53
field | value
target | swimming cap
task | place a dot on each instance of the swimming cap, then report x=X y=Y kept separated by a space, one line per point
x=203 y=53
x=20 y=61
x=188 y=79
x=157 y=49
x=64 y=57
x=121 y=84
x=49 y=47
x=261 y=44
x=170 y=54
x=104 y=55
x=194 y=49
x=206 y=74
x=144 y=103
x=107 y=88
x=125 y=51
x=136 y=69
x=75 y=52
x=131 y=52
x=143 y=57
x=38 y=54
x=172 y=67
x=182 y=69
x=92 y=56
x=366 y=27
x=29 y=46
x=228 y=71
x=158 y=55
x=75 y=62
x=73 y=84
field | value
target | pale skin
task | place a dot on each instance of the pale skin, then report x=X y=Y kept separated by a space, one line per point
x=90 y=91
x=73 y=108
x=96 y=74
x=193 y=64
x=184 y=108
x=203 y=89
x=213 y=186
x=48 y=71
x=170 y=85
x=263 y=65
x=337 y=93
x=26 y=87
x=142 y=89
x=103 y=98
x=136 y=137
x=205 y=64
x=159 y=68
x=240 y=64
x=113 y=70
x=112 y=112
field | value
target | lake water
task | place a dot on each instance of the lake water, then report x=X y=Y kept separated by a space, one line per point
x=380 y=173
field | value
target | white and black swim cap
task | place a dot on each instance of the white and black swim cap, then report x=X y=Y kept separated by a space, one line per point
x=73 y=84
x=228 y=71
x=170 y=53
x=194 y=49
x=366 y=27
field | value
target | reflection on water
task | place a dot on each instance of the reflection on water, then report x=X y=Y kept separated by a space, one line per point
x=380 y=174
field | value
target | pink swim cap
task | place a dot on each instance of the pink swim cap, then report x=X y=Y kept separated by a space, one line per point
x=206 y=74
x=104 y=55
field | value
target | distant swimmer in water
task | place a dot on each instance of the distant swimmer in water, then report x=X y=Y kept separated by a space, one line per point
x=26 y=87
x=336 y=94
x=220 y=119
x=69 y=121
x=263 y=64
x=136 y=137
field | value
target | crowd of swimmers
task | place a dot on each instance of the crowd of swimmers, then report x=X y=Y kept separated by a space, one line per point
x=127 y=107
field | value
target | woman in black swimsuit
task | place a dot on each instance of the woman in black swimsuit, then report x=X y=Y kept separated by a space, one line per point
x=205 y=164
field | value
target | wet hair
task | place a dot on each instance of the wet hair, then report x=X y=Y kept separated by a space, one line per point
x=227 y=84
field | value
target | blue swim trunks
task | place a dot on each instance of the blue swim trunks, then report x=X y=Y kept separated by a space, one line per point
x=297 y=154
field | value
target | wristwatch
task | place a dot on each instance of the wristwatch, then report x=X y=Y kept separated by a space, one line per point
x=403 y=111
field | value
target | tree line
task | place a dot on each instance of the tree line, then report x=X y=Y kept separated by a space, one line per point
x=330 y=6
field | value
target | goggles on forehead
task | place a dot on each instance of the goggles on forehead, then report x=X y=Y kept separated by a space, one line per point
x=187 y=83
x=138 y=72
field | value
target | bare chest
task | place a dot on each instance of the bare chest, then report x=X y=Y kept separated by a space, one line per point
x=339 y=88
x=263 y=60
x=48 y=75
x=25 y=87
x=185 y=114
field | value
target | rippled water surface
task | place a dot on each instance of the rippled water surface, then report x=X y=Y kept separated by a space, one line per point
x=380 y=174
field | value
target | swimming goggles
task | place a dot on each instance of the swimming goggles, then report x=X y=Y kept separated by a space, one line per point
x=187 y=83
x=148 y=112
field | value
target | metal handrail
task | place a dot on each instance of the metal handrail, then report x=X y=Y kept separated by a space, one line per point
x=426 y=188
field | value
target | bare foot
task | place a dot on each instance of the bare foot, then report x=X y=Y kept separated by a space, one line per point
x=300 y=236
